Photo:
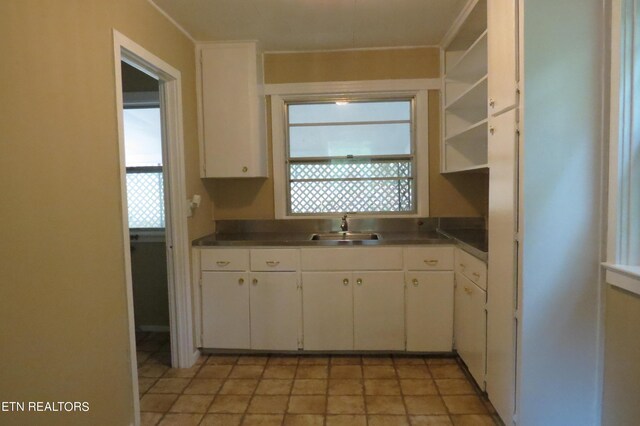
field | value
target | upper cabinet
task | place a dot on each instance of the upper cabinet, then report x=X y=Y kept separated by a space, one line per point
x=231 y=111
x=502 y=49
x=464 y=67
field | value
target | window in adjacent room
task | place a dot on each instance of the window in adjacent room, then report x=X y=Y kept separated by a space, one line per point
x=143 y=155
x=355 y=156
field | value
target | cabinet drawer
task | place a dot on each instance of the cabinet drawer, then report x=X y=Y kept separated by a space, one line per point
x=429 y=258
x=274 y=260
x=224 y=260
x=351 y=259
x=472 y=268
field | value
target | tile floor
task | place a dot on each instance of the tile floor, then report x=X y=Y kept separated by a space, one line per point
x=306 y=390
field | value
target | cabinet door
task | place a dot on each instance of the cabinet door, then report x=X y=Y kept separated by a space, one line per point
x=502 y=272
x=225 y=310
x=378 y=303
x=274 y=302
x=502 y=53
x=232 y=112
x=327 y=302
x=430 y=311
x=471 y=327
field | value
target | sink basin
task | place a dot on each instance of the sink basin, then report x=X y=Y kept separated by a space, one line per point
x=346 y=236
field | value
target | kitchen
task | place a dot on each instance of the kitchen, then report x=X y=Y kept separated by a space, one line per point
x=562 y=357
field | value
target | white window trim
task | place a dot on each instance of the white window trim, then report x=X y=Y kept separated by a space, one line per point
x=619 y=272
x=280 y=94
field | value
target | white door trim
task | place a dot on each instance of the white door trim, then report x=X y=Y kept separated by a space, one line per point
x=183 y=352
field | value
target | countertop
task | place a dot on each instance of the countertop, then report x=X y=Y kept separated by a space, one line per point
x=473 y=241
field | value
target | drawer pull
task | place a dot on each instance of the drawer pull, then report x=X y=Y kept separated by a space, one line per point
x=477 y=275
x=345 y=281
x=431 y=262
x=272 y=262
x=255 y=281
x=241 y=281
x=415 y=282
x=222 y=262
x=359 y=281
x=468 y=290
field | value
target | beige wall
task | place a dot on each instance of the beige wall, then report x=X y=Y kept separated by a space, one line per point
x=622 y=353
x=463 y=195
x=62 y=299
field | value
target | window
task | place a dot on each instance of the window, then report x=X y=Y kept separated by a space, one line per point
x=354 y=156
x=143 y=157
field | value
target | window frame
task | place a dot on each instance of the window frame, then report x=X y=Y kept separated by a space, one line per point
x=331 y=99
x=417 y=90
x=623 y=262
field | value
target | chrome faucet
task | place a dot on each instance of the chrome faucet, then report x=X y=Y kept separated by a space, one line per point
x=344 y=225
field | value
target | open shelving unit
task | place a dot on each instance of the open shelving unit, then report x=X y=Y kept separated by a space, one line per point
x=465 y=113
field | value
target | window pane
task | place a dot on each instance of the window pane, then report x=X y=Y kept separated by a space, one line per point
x=346 y=170
x=145 y=200
x=354 y=111
x=340 y=141
x=351 y=196
x=143 y=138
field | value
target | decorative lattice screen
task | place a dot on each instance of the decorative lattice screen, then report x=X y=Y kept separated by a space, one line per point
x=339 y=187
x=145 y=198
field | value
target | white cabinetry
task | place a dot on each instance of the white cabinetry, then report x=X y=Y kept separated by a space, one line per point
x=274 y=301
x=225 y=310
x=501 y=325
x=231 y=110
x=327 y=298
x=470 y=314
x=378 y=310
x=250 y=310
x=464 y=66
x=502 y=54
x=429 y=298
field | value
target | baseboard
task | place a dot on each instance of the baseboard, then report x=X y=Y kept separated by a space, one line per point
x=153 y=328
x=195 y=356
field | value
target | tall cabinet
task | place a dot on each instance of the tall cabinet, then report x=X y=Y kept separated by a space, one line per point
x=503 y=153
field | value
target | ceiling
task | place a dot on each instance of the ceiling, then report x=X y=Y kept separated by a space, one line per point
x=293 y=25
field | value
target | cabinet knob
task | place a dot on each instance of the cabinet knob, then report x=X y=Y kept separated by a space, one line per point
x=255 y=281
x=222 y=262
x=359 y=281
x=415 y=282
x=492 y=130
x=245 y=169
x=431 y=262
x=477 y=275
x=462 y=266
x=492 y=103
x=241 y=281
x=272 y=262
x=468 y=290
x=345 y=281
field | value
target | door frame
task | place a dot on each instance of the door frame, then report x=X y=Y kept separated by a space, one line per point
x=183 y=351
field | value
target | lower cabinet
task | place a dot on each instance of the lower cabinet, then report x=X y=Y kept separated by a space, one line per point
x=378 y=310
x=250 y=310
x=274 y=309
x=471 y=327
x=353 y=310
x=430 y=311
x=225 y=310
x=327 y=301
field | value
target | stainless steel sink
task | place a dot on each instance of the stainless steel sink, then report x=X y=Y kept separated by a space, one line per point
x=346 y=236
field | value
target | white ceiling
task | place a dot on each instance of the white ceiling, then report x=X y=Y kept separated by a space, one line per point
x=283 y=25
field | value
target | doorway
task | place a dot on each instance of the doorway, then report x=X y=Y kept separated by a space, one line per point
x=146 y=201
x=183 y=350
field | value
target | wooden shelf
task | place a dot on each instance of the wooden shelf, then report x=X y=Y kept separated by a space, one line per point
x=482 y=168
x=472 y=65
x=475 y=132
x=474 y=97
